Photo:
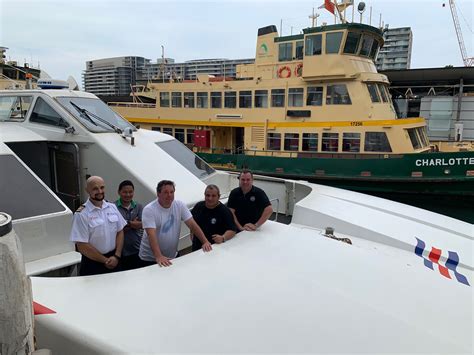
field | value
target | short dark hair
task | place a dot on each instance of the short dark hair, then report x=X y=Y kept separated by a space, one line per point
x=212 y=187
x=125 y=183
x=245 y=171
x=164 y=183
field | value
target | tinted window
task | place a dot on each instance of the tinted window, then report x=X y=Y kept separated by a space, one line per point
x=261 y=98
x=291 y=141
x=164 y=99
x=313 y=45
x=230 y=99
x=352 y=42
x=351 y=142
x=189 y=99
x=315 y=96
x=43 y=113
x=186 y=158
x=330 y=142
x=216 y=99
x=176 y=99
x=22 y=194
x=299 y=49
x=245 y=99
x=295 y=97
x=337 y=95
x=202 y=99
x=285 y=52
x=278 y=97
x=273 y=141
x=366 y=45
x=333 y=42
x=376 y=142
x=310 y=142
x=374 y=95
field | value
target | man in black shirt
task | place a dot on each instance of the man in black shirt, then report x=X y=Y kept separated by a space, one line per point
x=249 y=204
x=214 y=218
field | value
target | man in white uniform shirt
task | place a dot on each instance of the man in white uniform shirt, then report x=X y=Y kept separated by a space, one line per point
x=161 y=221
x=97 y=230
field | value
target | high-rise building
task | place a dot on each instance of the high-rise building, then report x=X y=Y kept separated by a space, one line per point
x=396 y=51
x=113 y=76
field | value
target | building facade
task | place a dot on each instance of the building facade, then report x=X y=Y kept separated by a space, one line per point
x=113 y=76
x=396 y=51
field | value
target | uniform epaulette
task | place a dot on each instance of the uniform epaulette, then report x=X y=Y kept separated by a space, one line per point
x=80 y=208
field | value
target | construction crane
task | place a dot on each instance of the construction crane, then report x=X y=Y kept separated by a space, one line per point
x=468 y=61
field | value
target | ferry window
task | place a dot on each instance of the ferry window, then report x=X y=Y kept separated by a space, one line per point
x=376 y=142
x=314 y=96
x=374 y=95
x=230 y=99
x=168 y=130
x=176 y=99
x=14 y=107
x=273 y=141
x=216 y=99
x=158 y=129
x=366 y=45
x=190 y=136
x=310 y=142
x=187 y=158
x=352 y=42
x=333 y=42
x=374 y=50
x=415 y=140
x=261 y=98
x=278 y=97
x=179 y=134
x=202 y=100
x=313 y=45
x=330 y=142
x=337 y=95
x=245 y=99
x=292 y=141
x=382 y=92
x=295 y=97
x=299 y=49
x=164 y=99
x=285 y=51
x=43 y=113
x=351 y=142
x=423 y=135
x=189 y=99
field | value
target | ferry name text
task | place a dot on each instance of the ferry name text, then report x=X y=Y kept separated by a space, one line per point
x=444 y=162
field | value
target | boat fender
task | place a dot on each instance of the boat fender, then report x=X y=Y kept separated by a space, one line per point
x=284 y=72
x=299 y=70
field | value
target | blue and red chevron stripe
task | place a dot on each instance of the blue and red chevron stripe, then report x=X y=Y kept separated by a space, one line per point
x=433 y=258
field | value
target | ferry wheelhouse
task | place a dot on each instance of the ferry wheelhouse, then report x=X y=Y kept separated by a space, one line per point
x=315 y=96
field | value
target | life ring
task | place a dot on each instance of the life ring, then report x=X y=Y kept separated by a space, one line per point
x=286 y=69
x=299 y=69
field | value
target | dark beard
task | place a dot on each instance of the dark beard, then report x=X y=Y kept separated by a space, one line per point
x=98 y=199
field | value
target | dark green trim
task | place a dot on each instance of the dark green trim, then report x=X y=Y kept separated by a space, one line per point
x=289 y=38
x=346 y=26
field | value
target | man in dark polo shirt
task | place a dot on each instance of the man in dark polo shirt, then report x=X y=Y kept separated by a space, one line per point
x=249 y=204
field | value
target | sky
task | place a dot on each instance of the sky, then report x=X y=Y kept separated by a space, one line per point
x=61 y=35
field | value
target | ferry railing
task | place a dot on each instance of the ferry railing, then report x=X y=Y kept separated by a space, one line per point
x=277 y=208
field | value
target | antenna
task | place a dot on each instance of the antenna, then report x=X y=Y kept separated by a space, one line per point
x=314 y=18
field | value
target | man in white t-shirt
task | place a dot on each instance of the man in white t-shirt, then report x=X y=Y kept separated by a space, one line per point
x=161 y=221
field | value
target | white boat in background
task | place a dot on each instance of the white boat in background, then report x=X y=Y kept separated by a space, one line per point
x=404 y=285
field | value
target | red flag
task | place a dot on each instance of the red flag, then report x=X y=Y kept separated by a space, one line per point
x=329 y=5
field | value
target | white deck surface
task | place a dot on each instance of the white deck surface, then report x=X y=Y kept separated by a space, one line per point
x=281 y=289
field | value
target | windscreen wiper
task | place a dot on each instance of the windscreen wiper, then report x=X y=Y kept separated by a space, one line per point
x=88 y=115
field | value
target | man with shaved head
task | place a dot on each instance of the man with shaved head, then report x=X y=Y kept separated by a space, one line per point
x=97 y=230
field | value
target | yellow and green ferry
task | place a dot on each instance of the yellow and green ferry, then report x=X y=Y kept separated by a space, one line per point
x=313 y=107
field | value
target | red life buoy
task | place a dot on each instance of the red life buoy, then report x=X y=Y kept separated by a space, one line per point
x=299 y=69
x=284 y=69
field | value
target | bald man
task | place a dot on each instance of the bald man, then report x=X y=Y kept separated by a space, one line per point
x=97 y=230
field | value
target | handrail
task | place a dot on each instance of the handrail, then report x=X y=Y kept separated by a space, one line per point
x=278 y=207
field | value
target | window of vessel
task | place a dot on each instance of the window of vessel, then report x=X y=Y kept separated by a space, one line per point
x=278 y=97
x=168 y=130
x=352 y=42
x=374 y=95
x=337 y=95
x=245 y=99
x=156 y=128
x=314 y=96
x=189 y=99
x=299 y=49
x=377 y=142
x=295 y=97
x=313 y=45
x=374 y=50
x=333 y=42
x=330 y=142
x=424 y=136
x=202 y=99
x=292 y=141
x=216 y=99
x=273 y=141
x=285 y=51
x=45 y=114
x=176 y=99
x=310 y=142
x=351 y=142
x=164 y=99
x=14 y=108
x=383 y=93
x=190 y=135
x=261 y=98
x=366 y=46
x=179 y=134
x=230 y=99
x=414 y=138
